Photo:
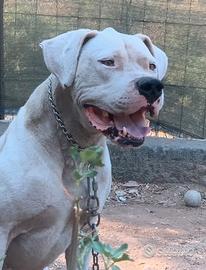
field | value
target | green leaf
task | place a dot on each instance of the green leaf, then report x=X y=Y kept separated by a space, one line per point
x=90 y=173
x=108 y=249
x=92 y=155
x=74 y=153
x=116 y=255
x=115 y=267
x=119 y=251
x=84 y=251
x=102 y=248
x=124 y=257
x=77 y=175
x=98 y=247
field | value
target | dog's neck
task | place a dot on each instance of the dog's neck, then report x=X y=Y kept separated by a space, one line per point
x=40 y=115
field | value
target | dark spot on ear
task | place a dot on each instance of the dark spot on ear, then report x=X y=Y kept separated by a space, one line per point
x=85 y=40
x=148 y=43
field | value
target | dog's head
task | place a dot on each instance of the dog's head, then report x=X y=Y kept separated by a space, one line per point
x=115 y=79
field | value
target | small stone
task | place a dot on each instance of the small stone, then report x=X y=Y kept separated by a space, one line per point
x=134 y=191
x=192 y=198
x=120 y=193
x=122 y=199
x=130 y=184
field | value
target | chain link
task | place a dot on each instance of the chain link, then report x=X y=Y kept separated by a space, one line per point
x=95 y=265
x=58 y=118
x=92 y=209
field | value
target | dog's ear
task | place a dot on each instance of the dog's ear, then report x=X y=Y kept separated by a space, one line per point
x=161 y=58
x=61 y=54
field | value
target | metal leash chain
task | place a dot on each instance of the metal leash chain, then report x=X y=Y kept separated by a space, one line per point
x=92 y=209
x=93 y=200
x=58 y=118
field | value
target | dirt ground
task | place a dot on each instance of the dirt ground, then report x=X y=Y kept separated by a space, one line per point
x=162 y=233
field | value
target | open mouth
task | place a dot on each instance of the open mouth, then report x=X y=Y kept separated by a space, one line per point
x=124 y=129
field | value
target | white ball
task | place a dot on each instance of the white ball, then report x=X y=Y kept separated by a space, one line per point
x=192 y=198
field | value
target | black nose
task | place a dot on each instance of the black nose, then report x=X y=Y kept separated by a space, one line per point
x=150 y=88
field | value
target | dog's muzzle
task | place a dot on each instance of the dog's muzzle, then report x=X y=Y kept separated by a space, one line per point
x=150 y=88
x=128 y=129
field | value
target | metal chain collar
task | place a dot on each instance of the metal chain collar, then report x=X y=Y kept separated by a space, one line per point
x=92 y=187
x=92 y=209
x=58 y=118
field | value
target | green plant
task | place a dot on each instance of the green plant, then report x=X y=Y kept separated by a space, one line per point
x=110 y=255
x=86 y=163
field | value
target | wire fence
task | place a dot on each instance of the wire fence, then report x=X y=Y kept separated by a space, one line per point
x=177 y=26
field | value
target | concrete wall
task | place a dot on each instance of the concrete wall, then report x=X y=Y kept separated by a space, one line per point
x=161 y=160
x=158 y=160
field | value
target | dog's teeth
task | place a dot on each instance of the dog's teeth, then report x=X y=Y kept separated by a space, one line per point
x=124 y=131
x=144 y=115
x=146 y=123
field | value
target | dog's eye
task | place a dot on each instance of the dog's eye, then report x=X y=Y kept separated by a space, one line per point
x=107 y=62
x=152 y=66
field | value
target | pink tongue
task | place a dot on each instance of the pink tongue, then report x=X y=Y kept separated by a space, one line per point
x=134 y=127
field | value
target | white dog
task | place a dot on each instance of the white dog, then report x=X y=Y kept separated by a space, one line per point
x=103 y=84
